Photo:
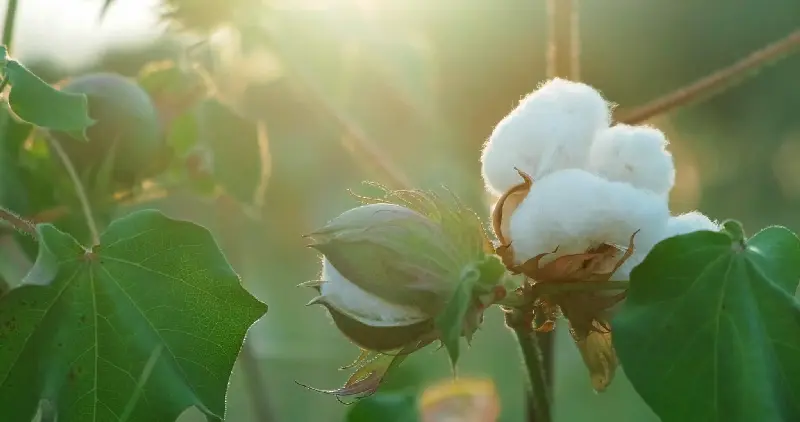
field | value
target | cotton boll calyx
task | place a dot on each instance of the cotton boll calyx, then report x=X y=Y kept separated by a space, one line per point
x=633 y=154
x=575 y=211
x=576 y=227
x=551 y=129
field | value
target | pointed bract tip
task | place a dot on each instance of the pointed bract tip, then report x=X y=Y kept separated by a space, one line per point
x=319 y=300
x=314 y=284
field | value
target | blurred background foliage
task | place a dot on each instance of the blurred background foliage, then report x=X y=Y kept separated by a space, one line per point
x=424 y=82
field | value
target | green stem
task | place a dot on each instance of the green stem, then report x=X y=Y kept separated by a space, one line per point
x=520 y=320
x=532 y=356
x=79 y=190
x=8 y=26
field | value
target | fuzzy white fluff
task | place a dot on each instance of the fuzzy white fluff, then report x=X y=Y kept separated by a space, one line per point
x=689 y=222
x=576 y=210
x=633 y=154
x=551 y=129
x=368 y=308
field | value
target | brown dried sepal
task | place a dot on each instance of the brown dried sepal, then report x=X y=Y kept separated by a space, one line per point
x=584 y=310
x=501 y=214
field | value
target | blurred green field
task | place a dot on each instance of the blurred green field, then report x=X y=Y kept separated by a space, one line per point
x=426 y=82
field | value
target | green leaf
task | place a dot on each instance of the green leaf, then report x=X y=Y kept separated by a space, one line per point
x=36 y=102
x=154 y=287
x=450 y=321
x=395 y=406
x=710 y=330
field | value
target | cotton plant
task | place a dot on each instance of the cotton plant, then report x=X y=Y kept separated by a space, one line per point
x=589 y=202
x=577 y=200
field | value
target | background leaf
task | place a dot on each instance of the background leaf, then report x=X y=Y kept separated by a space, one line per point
x=84 y=341
x=395 y=406
x=715 y=338
x=36 y=102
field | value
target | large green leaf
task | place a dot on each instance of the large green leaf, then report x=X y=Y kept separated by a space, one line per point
x=710 y=330
x=147 y=324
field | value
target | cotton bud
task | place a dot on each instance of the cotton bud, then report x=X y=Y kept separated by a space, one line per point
x=389 y=271
x=633 y=154
x=551 y=129
x=575 y=211
x=689 y=222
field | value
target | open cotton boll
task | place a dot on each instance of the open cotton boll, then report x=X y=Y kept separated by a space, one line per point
x=633 y=154
x=575 y=210
x=356 y=301
x=689 y=222
x=551 y=129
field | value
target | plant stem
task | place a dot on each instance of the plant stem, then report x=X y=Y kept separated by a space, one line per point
x=562 y=44
x=519 y=320
x=266 y=165
x=563 y=51
x=79 y=190
x=714 y=82
x=8 y=25
x=20 y=224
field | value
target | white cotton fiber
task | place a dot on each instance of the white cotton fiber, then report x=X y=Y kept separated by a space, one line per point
x=633 y=154
x=551 y=129
x=689 y=222
x=577 y=210
x=371 y=310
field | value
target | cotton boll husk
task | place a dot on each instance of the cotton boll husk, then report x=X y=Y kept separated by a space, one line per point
x=343 y=294
x=551 y=129
x=689 y=222
x=575 y=210
x=633 y=154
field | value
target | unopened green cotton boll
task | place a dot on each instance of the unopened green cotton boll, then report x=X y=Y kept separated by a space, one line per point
x=633 y=154
x=389 y=271
x=551 y=129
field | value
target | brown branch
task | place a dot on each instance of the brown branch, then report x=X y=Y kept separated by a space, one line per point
x=266 y=165
x=713 y=83
x=21 y=225
x=562 y=35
